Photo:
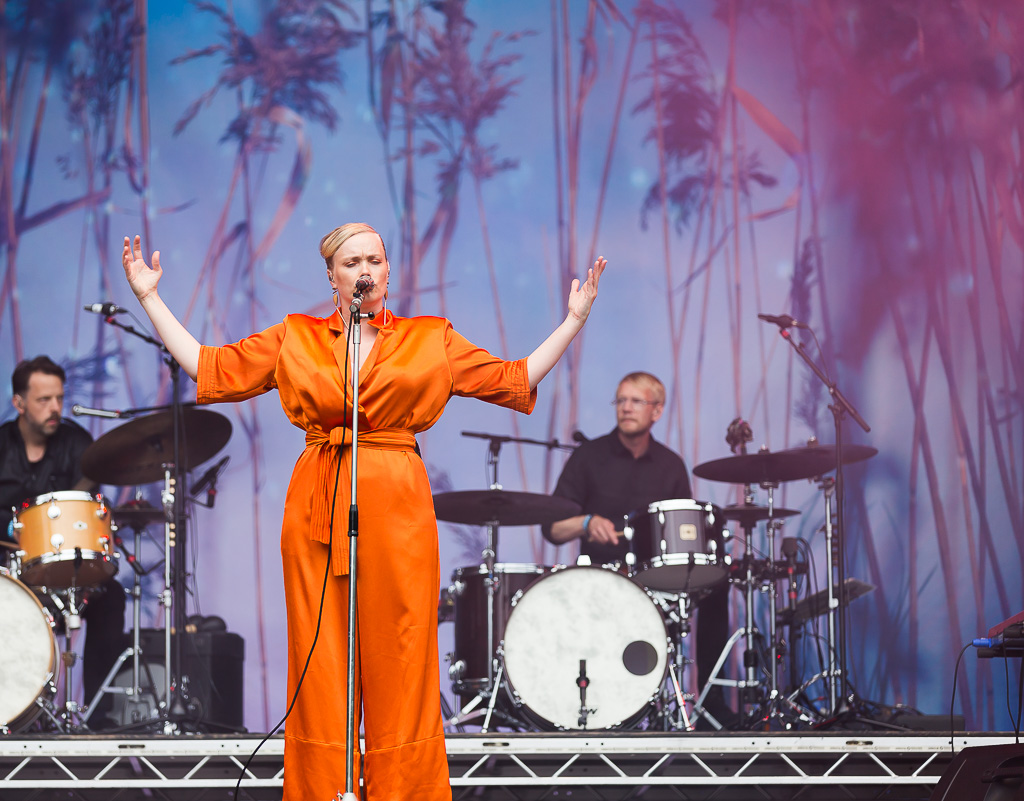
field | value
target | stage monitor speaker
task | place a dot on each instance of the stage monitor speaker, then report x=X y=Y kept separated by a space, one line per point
x=213 y=663
x=983 y=773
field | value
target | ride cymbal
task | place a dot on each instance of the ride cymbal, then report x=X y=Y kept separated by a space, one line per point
x=136 y=452
x=772 y=467
x=480 y=507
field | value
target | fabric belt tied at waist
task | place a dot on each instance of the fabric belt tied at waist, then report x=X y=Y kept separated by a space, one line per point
x=328 y=445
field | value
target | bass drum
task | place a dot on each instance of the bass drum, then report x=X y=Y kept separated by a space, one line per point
x=28 y=657
x=587 y=621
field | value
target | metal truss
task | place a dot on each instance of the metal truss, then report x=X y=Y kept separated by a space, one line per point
x=518 y=767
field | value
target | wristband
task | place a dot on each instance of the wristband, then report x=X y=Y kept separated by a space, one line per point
x=586 y=524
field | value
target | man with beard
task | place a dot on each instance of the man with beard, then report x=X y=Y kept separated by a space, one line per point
x=40 y=453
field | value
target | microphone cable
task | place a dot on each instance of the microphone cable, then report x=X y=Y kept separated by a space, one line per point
x=323 y=589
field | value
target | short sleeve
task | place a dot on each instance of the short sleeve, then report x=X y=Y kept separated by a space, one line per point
x=240 y=371
x=477 y=374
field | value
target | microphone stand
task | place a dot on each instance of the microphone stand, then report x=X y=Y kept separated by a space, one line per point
x=500 y=439
x=839 y=408
x=355 y=317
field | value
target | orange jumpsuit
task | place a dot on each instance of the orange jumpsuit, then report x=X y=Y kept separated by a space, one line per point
x=414 y=367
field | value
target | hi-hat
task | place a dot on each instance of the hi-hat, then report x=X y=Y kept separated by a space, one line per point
x=776 y=466
x=749 y=514
x=136 y=452
x=480 y=507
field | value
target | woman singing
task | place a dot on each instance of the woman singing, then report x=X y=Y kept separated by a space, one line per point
x=408 y=369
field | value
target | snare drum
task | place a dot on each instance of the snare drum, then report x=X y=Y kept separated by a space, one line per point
x=590 y=620
x=64 y=540
x=687 y=542
x=28 y=657
x=468 y=595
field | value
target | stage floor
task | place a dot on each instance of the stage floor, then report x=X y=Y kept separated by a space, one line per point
x=609 y=766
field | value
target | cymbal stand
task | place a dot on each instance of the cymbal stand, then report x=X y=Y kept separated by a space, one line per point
x=773 y=648
x=71 y=612
x=133 y=692
x=833 y=671
x=489 y=692
x=679 y=625
x=748 y=633
x=839 y=407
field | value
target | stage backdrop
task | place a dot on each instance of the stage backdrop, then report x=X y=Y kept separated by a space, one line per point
x=856 y=164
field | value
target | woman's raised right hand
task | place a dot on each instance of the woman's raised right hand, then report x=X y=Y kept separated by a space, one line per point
x=142 y=278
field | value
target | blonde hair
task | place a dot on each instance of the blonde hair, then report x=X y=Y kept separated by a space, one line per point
x=330 y=244
x=647 y=382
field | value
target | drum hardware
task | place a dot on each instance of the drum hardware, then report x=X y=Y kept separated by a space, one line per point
x=139 y=513
x=160 y=446
x=583 y=682
x=493 y=508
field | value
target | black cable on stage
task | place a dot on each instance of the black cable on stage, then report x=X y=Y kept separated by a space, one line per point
x=323 y=590
x=1020 y=702
x=952 y=698
x=1006 y=679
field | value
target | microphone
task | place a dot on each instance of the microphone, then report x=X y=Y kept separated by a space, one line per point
x=106 y=309
x=579 y=436
x=208 y=482
x=363 y=284
x=782 y=321
x=78 y=410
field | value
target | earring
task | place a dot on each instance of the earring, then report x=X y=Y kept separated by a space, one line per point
x=335 y=299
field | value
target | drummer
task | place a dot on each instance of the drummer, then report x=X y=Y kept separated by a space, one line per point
x=41 y=452
x=622 y=473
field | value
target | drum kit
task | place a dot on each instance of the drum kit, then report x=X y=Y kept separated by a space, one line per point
x=604 y=647
x=67 y=547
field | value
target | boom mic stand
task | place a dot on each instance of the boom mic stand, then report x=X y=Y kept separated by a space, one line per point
x=175 y=543
x=837 y=607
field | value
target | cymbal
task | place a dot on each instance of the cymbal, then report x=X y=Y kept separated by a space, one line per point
x=776 y=466
x=137 y=514
x=480 y=507
x=135 y=453
x=748 y=515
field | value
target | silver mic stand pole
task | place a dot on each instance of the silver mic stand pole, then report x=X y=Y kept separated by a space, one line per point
x=352 y=734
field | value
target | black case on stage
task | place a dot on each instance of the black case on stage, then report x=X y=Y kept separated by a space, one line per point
x=983 y=773
x=212 y=661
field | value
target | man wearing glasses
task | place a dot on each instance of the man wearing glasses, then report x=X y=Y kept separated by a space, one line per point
x=621 y=474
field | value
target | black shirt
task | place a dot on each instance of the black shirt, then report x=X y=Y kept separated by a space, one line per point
x=602 y=476
x=59 y=469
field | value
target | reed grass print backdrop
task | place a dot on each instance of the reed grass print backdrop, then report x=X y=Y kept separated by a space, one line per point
x=854 y=163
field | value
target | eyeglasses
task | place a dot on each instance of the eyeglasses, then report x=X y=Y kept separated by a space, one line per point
x=634 y=401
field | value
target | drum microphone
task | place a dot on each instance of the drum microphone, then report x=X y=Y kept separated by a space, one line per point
x=579 y=436
x=782 y=321
x=208 y=482
x=106 y=309
x=78 y=410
